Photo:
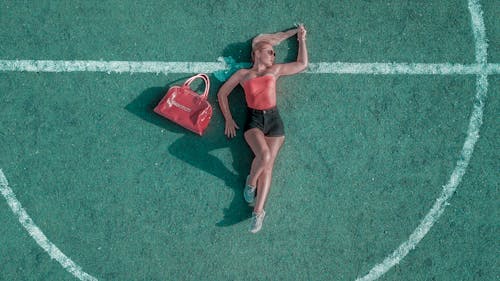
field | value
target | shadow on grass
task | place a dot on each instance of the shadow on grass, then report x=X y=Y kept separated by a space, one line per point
x=195 y=150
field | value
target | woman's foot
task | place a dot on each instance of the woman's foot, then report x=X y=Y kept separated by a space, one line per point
x=249 y=192
x=257 y=220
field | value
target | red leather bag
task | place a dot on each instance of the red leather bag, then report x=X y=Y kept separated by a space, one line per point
x=187 y=108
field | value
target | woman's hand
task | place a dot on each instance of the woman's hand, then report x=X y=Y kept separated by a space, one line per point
x=301 y=32
x=231 y=128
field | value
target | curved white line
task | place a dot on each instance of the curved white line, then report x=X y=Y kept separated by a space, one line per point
x=37 y=234
x=475 y=123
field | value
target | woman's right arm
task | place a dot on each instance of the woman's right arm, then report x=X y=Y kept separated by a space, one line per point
x=302 y=58
x=224 y=91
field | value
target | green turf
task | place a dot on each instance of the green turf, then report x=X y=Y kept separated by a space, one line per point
x=128 y=195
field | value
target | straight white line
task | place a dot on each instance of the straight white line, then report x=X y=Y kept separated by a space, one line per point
x=210 y=67
x=404 y=68
x=37 y=234
x=110 y=66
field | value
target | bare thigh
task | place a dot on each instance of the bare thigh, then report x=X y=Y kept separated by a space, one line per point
x=257 y=142
x=262 y=145
x=274 y=144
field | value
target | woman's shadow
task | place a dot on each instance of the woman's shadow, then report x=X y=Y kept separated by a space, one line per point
x=195 y=150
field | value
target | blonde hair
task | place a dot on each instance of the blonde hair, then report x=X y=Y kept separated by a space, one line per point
x=272 y=39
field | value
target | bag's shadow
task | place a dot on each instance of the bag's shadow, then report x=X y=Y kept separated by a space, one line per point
x=195 y=150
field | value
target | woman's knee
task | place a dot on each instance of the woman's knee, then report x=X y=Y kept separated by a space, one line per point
x=265 y=156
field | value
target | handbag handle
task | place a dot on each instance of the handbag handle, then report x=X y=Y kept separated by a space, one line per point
x=205 y=78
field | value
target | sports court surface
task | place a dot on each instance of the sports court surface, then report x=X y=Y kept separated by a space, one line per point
x=390 y=168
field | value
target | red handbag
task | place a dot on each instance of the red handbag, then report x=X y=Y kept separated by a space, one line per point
x=187 y=108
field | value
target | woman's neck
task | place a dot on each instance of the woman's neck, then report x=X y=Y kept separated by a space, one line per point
x=260 y=68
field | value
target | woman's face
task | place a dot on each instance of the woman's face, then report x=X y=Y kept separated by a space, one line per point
x=265 y=54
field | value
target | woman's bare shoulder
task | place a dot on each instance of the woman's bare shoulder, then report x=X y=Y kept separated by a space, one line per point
x=241 y=74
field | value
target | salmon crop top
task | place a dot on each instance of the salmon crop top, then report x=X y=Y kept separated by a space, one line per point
x=260 y=92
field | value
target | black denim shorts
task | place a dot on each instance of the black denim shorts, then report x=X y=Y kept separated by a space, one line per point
x=268 y=121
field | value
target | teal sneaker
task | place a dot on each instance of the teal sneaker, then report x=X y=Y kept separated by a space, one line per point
x=249 y=193
x=257 y=220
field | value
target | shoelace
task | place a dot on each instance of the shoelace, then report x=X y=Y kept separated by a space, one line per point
x=259 y=216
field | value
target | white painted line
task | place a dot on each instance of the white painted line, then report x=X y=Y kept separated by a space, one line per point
x=448 y=190
x=110 y=66
x=37 y=234
x=403 y=68
x=210 y=67
x=479 y=31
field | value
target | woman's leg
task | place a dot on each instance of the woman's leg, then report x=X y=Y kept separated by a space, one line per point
x=264 y=181
x=257 y=142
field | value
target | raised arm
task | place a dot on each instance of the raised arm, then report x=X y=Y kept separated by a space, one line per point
x=224 y=91
x=302 y=58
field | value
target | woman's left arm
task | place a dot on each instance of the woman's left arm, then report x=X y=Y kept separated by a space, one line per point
x=302 y=58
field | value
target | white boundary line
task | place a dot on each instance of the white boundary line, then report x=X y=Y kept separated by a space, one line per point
x=482 y=69
x=475 y=123
x=37 y=234
x=209 y=67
